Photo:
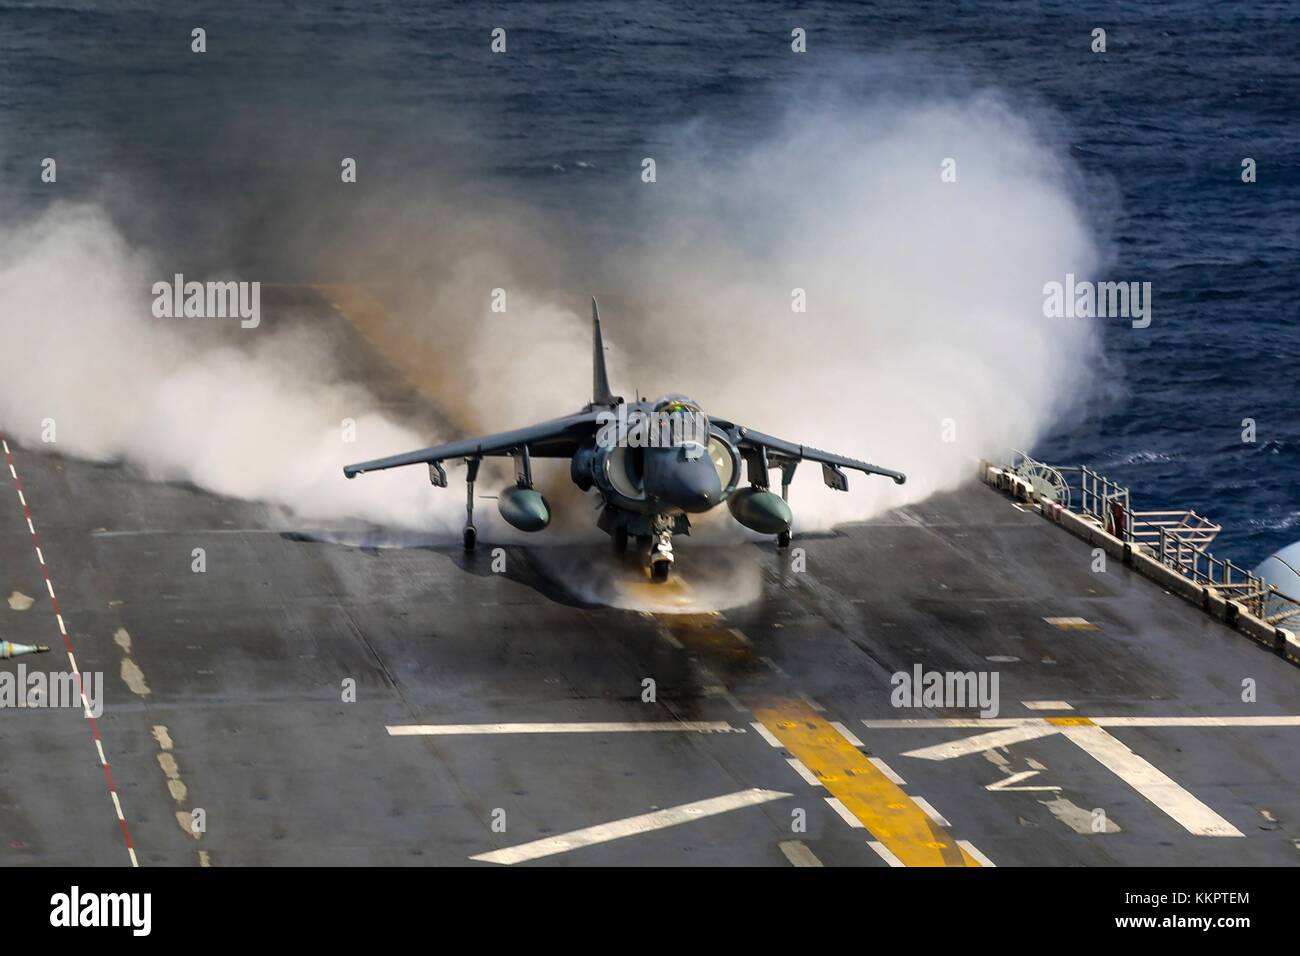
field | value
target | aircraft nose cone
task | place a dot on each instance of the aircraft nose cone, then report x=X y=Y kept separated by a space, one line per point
x=696 y=487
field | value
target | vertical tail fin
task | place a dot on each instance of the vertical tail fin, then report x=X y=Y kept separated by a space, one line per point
x=600 y=393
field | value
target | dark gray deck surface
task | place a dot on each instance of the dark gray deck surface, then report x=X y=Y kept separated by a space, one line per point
x=244 y=667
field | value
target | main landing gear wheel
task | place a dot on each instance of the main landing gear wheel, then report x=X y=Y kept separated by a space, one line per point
x=660 y=568
x=619 y=538
x=471 y=538
x=783 y=539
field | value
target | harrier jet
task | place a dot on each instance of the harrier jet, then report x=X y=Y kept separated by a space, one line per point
x=653 y=464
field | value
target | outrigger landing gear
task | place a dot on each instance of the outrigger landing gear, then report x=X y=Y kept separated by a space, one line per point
x=787 y=474
x=471 y=475
x=661 y=554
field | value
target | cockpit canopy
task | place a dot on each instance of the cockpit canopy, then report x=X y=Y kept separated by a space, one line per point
x=681 y=420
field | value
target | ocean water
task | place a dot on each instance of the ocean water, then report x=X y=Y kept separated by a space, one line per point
x=1159 y=125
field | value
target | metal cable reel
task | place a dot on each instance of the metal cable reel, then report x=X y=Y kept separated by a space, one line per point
x=1048 y=483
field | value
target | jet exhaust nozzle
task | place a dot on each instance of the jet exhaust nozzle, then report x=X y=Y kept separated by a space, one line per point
x=760 y=510
x=524 y=508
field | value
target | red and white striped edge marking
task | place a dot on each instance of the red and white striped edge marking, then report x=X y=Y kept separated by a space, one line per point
x=72 y=660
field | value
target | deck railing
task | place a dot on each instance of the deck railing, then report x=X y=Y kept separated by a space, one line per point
x=1178 y=539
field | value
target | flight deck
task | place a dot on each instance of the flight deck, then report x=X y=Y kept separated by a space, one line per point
x=308 y=699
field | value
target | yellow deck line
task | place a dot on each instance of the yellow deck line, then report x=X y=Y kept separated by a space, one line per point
x=884 y=809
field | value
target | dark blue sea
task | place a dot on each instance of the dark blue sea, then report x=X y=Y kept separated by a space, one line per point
x=1159 y=125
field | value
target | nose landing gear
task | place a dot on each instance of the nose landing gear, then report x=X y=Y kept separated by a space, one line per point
x=661 y=553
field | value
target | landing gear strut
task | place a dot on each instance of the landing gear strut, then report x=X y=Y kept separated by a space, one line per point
x=661 y=553
x=783 y=539
x=471 y=475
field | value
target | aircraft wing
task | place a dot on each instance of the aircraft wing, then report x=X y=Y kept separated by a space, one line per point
x=558 y=438
x=761 y=451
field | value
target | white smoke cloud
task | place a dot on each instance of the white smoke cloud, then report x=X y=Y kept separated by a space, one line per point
x=924 y=298
x=254 y=416
x=924 y=311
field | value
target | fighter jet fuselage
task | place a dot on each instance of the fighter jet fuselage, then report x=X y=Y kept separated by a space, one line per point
x=653 y=464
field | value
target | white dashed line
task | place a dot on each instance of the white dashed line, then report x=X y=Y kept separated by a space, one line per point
x=930 y=811
x=801 y=770
x=457 y=730
x=72 y=660
x=979 y=857
x=812 y=703
x=767 y=735
x=885 y=853
x=843 y=811
x=887 y=770
x=847 y=734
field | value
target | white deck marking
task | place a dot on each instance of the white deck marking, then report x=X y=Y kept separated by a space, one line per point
x=1274 y=720
x=885 y=853
x=847 y=734
x=970 y=848
x=1114 y=755
x=1071 y=623
x=1091 y=736
x=1283 y=720
x=1047 y=705
x=1006 y=782
x=905 y=722
x=980 y=742
x=767 y=735
x=618 y=829
x=930 y=811
x=801 y=770
x=812 y=703
x=594 y=727
x=843 y=811
x=798 y=853
x=887 y=770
